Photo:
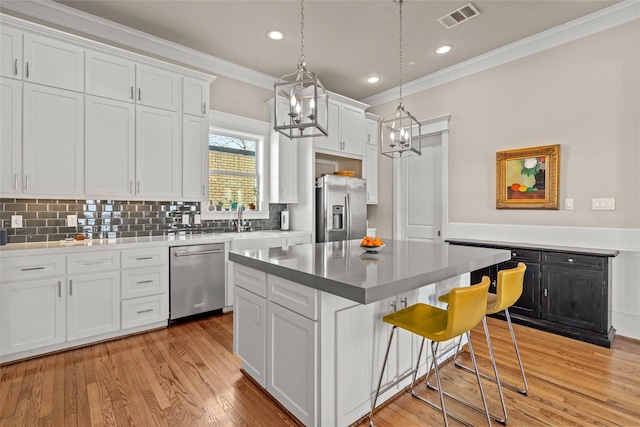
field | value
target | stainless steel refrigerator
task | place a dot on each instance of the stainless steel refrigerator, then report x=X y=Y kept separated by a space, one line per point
x=341 y=208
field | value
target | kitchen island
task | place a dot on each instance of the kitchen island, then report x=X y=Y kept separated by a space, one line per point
x=307 y=318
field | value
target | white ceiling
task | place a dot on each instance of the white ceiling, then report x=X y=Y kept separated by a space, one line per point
x=345 y=41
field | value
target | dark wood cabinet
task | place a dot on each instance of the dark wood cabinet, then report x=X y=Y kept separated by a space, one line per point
x=566 y=290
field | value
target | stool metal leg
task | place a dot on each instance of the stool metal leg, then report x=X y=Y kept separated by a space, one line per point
x=384 y=364
x=515 y=345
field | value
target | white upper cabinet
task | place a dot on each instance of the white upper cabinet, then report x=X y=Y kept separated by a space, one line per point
x=158 y=88
x=53 y=141
x=283 y=162
x=53 y=63
x=196 y=97
x=110 y=132
x=110 y=76
x=371 y=159
x=158 y=153
x=346 y=131
x=195 y=157
x=10 y=52
x=10 y=136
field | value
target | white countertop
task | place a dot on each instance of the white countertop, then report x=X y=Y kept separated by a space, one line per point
x=344 y=269
x=42 y=248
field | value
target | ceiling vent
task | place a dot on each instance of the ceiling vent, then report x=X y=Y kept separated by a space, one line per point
x=459 y=16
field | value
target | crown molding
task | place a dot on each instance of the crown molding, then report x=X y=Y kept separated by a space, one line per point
x=618 y=14
x=111 y=32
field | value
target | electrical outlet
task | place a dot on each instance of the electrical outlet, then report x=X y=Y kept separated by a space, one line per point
x=185 y=219
x=197 y=219
x=16 y=221
x=72 y=220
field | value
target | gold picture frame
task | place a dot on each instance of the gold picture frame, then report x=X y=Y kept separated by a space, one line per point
x=528 y=178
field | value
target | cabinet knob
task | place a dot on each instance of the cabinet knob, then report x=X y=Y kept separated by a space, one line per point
x=570 y=260
x=513 y=254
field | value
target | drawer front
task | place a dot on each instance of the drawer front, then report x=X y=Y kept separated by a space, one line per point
x=574 y=260
x=148 y=257
x=32 y=267
x=297 y=240
x=250 y=279
x=524 y=255
x=144 y=311
x=92 y=262
x=294 y=296
x=140 y=282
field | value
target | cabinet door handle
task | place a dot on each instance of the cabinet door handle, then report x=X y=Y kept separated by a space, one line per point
x=545 y=292
x=143 y=258
x=94 y=262
x=138 y=187
x=139 y=94
x=59 y=289
x=15 y=67
x=33 y=268
x=16 y=183
x=393 y=304
x=132 y=93
x=27 y=70
x=203 y=190
x=145 y=311
x=404 y=302
x=70 y=287
x=26 y=182
x=142 y=282
x=130 y=186
x=204 y=109
x=570 y=260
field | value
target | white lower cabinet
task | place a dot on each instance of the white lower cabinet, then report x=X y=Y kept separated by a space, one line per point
x=33 y=314
x=145 y=287
x=93 y=304
x=292 y=362
x=250 y=323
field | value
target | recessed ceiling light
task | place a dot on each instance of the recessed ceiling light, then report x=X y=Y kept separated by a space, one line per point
x=275 y=35
x=445 y=48
x=373 y=79
x=412 y=63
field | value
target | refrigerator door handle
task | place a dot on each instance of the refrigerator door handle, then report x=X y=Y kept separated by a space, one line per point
x=347 y=214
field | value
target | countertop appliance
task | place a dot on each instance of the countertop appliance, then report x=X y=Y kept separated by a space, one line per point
x=341 y=208
x=196 y=279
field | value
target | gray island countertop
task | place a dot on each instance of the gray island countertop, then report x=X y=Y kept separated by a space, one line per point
x=343 y=268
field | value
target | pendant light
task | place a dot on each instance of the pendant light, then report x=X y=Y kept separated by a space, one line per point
x=301 y=100
x=400 y=131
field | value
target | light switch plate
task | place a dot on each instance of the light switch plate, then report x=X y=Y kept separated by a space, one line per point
x=568 y=204
x=16 y=221
x=603 y=204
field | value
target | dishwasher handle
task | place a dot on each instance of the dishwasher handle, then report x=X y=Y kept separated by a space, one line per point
x=215 y=251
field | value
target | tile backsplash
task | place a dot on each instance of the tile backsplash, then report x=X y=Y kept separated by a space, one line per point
x=45 y=219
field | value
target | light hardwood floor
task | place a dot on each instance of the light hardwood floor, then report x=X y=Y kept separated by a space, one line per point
x=186 y=375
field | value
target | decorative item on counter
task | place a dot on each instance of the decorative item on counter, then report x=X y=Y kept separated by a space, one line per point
x=284 y=220
x=371 y=244
x=219 y=206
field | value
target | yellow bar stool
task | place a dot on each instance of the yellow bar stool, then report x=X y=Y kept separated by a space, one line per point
x=508 y=290
x=467 y=307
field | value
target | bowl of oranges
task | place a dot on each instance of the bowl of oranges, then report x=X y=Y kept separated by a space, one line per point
x=371 y=244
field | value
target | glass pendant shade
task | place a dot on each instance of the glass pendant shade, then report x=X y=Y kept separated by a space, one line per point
x=307 y=105
x=400 y=134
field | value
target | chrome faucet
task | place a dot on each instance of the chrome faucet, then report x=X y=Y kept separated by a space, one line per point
x=239 y=226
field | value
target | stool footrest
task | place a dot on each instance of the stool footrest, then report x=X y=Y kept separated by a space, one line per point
x=492 y=379
x=467 y=404
x=433 y=405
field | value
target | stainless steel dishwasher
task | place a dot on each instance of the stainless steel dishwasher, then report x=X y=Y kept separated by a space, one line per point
x=196 y=279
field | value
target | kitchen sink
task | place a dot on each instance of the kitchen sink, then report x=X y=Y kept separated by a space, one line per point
x=255 y=240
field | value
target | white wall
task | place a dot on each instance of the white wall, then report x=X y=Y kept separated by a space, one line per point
x=583 y=95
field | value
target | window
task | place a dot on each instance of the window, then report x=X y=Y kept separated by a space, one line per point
x=233 y=177
x=237 y=167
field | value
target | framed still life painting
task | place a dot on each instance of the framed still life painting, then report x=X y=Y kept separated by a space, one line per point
x=528 y=178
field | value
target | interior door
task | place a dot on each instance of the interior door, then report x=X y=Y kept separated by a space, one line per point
x=418 y=193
